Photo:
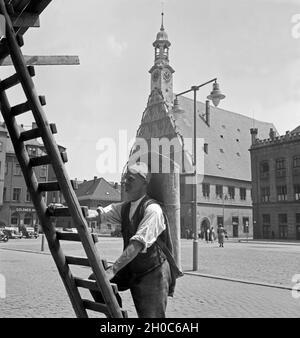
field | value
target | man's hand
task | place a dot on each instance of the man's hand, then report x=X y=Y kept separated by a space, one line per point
x=110 y=273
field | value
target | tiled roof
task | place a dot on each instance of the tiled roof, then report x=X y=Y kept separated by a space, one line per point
x=98 y=189
x=228 y=138
x=296 y=130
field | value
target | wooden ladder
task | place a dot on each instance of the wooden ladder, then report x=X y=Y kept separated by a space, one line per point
x=11 y=46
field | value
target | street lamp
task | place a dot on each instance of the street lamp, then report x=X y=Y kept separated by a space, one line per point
x=224 y=197
x=215 y=96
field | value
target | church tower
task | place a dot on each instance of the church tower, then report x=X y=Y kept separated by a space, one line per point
x=161 y=72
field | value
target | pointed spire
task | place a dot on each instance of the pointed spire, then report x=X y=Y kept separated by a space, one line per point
x=162 y=22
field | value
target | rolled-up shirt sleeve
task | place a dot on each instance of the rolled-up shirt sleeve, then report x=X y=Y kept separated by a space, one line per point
x=111 y=214
x=150 y=227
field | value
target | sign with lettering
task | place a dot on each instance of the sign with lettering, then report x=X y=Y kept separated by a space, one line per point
x=25 y=209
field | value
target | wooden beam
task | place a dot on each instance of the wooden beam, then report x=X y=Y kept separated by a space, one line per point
x=43 y=60
x=25 y=20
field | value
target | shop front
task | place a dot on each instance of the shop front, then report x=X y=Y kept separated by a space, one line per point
x=23 y=217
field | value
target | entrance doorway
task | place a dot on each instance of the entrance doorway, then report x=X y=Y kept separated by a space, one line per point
x=205 y=225
x=235 y=227
x=298 y=232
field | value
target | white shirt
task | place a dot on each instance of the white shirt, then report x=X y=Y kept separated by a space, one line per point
x=150 y=227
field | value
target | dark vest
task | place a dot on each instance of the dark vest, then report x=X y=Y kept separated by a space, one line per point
x=154 y=257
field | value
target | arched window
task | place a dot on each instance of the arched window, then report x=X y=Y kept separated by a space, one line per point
x=15 y=219
x=166 y=50
x=28 y=219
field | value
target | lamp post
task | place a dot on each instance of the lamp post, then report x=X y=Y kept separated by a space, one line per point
x=215 y=96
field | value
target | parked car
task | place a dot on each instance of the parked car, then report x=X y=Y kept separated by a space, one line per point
x=29 y=232
x=12 y=234
x=3 y=237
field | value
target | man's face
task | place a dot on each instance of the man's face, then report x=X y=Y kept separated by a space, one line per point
x=134 y=183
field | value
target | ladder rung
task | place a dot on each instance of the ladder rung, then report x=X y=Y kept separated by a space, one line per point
x=77 y=261
x=14 y=79
x=39 y=160
x=54 y=186
x=100 y=307
x=86 y=283
x=25 y=107
x=64 y=211
x=35 y=133
x=73 y=236
x=92 y=284
x=49 y=186
x=94 y=306
x=43 y=160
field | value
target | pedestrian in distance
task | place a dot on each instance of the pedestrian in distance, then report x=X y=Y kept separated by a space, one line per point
x=146 y=266
x=212 y=234
x=206 y=234
x=221 y=235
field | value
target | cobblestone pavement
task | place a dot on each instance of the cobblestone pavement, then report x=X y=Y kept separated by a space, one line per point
x=34 y=288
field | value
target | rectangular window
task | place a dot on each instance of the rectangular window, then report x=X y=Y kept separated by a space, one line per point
x=280 y=167
x=297 y=191
x=6 y=168
x=182 y=189
x=281 y=193
x=43 y=172
x=16 y=194
x=266 y=225
x=205 y=189
x=219 y=191
x=246 y=224
x=243 y=194
x=282 y=218
x=298 y=219
x=283 y=228
x=265 y=194
x=1 y=146
x=28 y=196
x=235 y=221
x=296 y=161
x=220 y=220
x=231 y=193
x=266 y=219
x=264 y=169
x=4 y=194
x=17 y=169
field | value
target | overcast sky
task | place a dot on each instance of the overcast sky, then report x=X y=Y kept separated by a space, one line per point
x=251 y=46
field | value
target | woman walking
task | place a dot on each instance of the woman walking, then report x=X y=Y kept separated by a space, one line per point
x=221 y=234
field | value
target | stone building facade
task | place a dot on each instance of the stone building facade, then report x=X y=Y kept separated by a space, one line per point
x=16 y=208
x=275 y=164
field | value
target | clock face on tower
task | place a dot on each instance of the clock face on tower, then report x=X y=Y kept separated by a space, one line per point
x=167 y=75
x=155 y=75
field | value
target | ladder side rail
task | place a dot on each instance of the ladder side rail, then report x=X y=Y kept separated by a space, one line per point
x=58 y=166
x=40 y=206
